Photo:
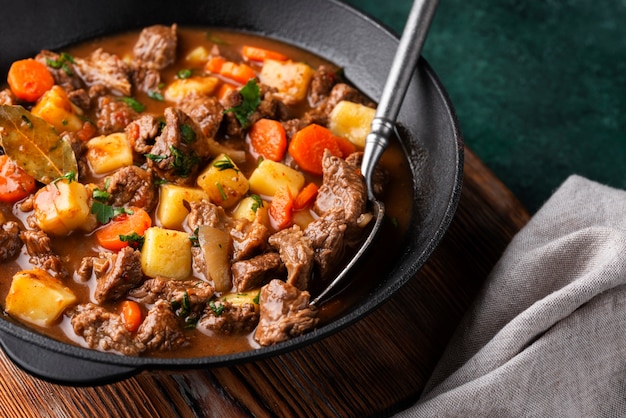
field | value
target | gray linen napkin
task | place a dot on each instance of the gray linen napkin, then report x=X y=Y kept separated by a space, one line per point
x=546 y=336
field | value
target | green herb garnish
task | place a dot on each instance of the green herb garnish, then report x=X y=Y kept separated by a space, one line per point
x=221 y=190
x=258 y=202
x=183 y=74
x=61 y=63
x=133 y=103
x=251 y=98
x=133 y=239
x=224 y=164
x=104 y=213
x=217 y=310
x=183 y=163
x=70 y=177
x=187 y=134
x=156 y=95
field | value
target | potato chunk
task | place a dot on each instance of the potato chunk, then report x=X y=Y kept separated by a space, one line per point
x=179 y=89
x=56 y=108
x=166 y=253
x=352 y=121
x=292 y=79
x=107 y=153
x=253 y=208
x=171 y=211
x=38 y=298
x=270 y=176
x=223 y=182
x=62 y=207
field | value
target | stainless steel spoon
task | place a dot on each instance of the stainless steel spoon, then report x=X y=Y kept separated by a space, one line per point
x=383 y=124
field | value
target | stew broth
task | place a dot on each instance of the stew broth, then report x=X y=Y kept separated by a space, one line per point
x=202 y=342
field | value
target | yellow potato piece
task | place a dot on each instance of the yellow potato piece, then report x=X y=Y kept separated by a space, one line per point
x=292 y=79
x=38 y=298
x=223 y=182
x=270 y=176
x=166 y=253
x=108 y=153
x=351 y=120
x=171 y=211
x=62 y=207
x=55 y=107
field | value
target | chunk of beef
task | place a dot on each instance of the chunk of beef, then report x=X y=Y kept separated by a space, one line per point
x=207 y=213
x=207 y=112
x=257 y=271
x=131 y=186
x=141 y=133
x=145 y=79
x=62 y=69
x=156 y=46
x=7 y=97
x=104 y=330
x=161 y=330
x=322 y=83
x=10 y=242
x=179 y=149
x=80 y=149
x=103 y=68
x=296 y=253
x=320 y=114
x=192 y=293
x=327 y=238
x=121 y=273
x=342 y=186
x=96 y=266
x=113 y=115
x=225 y=317
x=249 y=238
x=285 y=313
x=271 y=107
x=41 y=255
x=380 y=176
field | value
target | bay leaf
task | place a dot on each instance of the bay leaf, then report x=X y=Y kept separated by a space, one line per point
x=34 y=144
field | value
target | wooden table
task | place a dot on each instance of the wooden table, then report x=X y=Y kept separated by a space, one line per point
x=375 y=367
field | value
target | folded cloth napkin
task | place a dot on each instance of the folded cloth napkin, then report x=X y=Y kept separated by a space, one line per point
x=546 y=336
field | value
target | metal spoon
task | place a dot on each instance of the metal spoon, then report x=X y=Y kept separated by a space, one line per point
x=383 y=124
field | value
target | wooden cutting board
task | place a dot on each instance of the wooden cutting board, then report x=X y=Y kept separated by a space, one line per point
x=377 y=366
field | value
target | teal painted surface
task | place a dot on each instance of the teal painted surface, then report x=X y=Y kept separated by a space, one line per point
x=539 y=86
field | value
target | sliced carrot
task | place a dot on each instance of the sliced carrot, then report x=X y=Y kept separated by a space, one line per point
x=15 y=183
x=269 y=139
x=241 y=73
x=131 y=314
x=281 y=208
x=29 y=79
x=308 y=144
x=110 y=235
x=214 y=65
x=346 y=146
x=306 y=196
x=89 y=130
x=254 y=53
x=224 y=89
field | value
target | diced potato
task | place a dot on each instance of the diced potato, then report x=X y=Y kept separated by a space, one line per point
x=166 y=253
x=270 y=176
x=38 y=298
x=171 y=211
x=107 y=153
x=62 y=207
x=292 y=79
x=179 y=89
x=197 y=55
x=57 y=109
x=223 y=181
x=253 y=208
x=302 y=218
x=241 y=298
x=216 y=245
x=352 y=121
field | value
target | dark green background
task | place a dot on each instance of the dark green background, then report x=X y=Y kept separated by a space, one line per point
x=538 y=85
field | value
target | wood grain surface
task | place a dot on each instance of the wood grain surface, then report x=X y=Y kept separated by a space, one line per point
x=375 y=367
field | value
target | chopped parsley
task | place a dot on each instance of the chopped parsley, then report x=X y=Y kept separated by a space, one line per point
x=70 y=177
x=251 y=98
x=256 y=298
x=220 y=188
x=155 y=157
x=156 y=95
x=183 y=74
x=187 y=134
x=182 y=309
x=258 y=202
x=224 y=164
x=183 y=163
x=195 y=242
x=104 y=213
x=62 y=63
x=133 y=103
x=133 y=239
x=217 y=309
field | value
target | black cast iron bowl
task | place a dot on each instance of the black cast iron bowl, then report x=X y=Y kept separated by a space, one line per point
x=333 y=30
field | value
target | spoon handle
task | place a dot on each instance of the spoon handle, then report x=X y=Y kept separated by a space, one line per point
x=400 y=73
